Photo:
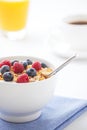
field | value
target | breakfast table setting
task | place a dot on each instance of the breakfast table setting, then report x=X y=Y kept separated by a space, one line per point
x=55 y=31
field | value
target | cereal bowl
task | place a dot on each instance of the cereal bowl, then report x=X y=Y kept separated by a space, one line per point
x=22 y=102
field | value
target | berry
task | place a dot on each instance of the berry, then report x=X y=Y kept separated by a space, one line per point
x=5 y=62
x=25 y=64
x=31 y=72
x=1 y=64
x=14 y=62
x=18 y=67
x=5 y=68
x=44 y=65
x=29 y=62
x=36 y=65
x=7 y=76
x=23 y=78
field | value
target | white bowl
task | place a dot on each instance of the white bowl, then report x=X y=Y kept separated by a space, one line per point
x=22 y=102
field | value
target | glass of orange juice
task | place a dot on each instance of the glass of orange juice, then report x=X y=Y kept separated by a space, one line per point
x=13 y=18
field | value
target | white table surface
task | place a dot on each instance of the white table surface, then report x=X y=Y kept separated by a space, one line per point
x=72 y=80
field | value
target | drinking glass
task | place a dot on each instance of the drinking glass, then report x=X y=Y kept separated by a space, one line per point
x=13 y=18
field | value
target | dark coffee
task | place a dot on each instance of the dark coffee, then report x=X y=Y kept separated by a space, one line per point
x=78 y=22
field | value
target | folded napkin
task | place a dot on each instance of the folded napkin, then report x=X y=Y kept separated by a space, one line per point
x=59 y=113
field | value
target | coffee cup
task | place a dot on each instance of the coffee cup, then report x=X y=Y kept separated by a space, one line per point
x=73 y=32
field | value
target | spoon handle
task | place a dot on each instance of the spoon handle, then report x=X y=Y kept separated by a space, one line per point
x=62 y=66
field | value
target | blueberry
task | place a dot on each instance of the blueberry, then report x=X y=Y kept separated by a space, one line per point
x=29 y=62
x=5 y=68
x=44 y=65
x=14 y=62
x=25 y=64
x=31 y=72
x=8 y=76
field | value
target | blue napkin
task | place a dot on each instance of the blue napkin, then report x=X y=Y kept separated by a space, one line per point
x=59 y=113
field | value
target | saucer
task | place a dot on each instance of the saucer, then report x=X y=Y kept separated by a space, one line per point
x=63 y=50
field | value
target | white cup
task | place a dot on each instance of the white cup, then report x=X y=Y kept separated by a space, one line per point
x=73 y=30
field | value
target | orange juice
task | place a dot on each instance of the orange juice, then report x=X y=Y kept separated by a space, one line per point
x=13 y=14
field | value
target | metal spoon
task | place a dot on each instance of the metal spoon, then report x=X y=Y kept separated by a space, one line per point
x=61 y=66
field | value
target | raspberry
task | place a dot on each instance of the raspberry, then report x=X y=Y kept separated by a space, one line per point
x=18 y=67
x=23 y=78
x=36 y=65
x=5 y=62
x=14 y=62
